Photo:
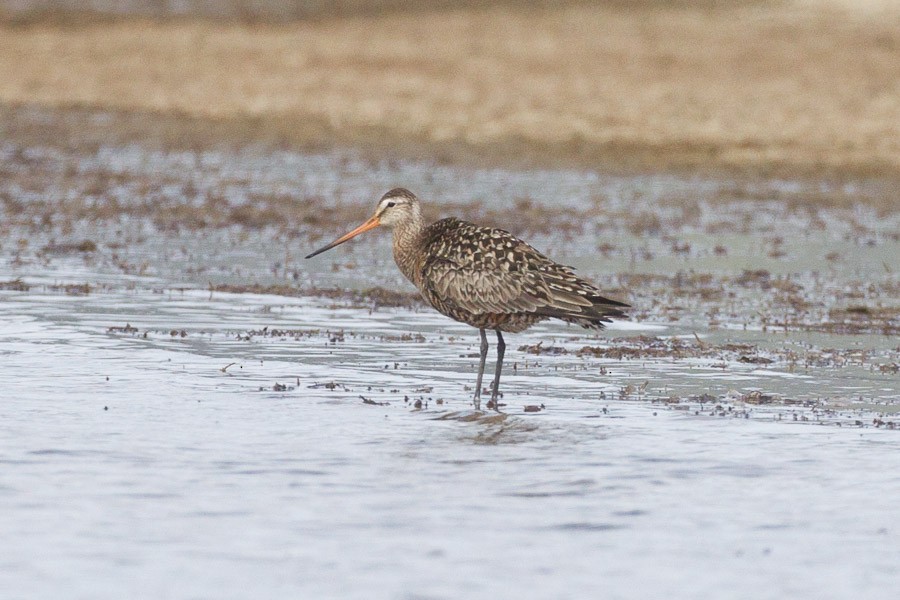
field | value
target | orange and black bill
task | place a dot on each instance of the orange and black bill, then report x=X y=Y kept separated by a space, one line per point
x=370 y=224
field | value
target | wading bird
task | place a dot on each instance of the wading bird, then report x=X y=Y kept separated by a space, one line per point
x=484 y=277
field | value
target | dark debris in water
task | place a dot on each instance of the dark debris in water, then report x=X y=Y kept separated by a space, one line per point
x=373 y=402
x=126 y=329
x=540 y=349
x=755 y=360
x=69 y=289
x=644 y=347
x=374 y=296
x=330 y=385
x=295 y=334
x=14 y=285
x=759 y=405
x=70 y=247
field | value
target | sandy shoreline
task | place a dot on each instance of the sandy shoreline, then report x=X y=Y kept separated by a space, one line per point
x=757 y=89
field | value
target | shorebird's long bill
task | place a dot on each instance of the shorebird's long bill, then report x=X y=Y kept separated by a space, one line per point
x=370 y=224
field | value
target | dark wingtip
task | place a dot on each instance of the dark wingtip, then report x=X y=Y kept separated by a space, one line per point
x=601 y=301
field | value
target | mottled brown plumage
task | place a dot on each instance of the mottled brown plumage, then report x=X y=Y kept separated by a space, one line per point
x=484 y=277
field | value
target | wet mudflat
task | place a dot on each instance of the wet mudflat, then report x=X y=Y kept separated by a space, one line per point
x=191 y=410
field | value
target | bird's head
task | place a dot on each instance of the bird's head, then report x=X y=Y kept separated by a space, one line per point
x=396 y=207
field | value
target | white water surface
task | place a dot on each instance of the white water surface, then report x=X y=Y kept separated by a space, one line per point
x=132 y=466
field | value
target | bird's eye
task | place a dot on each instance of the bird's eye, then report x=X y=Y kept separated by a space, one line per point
x=391 y=204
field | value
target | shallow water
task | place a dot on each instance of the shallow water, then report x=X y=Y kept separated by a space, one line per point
x=161 y=440
x=133 y=465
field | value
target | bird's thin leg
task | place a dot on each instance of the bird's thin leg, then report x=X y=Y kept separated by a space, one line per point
x=495 y=391
x=484 y=349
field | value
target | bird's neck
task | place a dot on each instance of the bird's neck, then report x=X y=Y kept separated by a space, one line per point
x=407 y=239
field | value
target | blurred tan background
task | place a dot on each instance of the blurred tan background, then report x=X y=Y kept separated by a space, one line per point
x=802 y=87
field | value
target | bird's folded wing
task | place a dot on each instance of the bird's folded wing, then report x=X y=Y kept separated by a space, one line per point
x=487 y=287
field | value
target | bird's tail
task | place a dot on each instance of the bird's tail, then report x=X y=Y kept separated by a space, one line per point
x=601 y=311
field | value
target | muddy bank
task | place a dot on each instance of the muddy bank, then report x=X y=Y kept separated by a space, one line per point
x=773 y=255
x=63 y=166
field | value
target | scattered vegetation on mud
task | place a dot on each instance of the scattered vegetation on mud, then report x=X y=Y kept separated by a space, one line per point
x=70 y=289
x=790 y=357
x=758 y=298
x=374 y=297
x=45 y=186
x=201 y=217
